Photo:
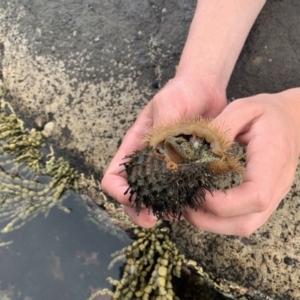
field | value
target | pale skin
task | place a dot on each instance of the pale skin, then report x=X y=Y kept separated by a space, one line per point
x=267 y=123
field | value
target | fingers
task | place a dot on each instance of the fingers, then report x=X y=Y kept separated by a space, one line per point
x=115 y=186
x=239 y=225
x=114 y=181
x=271 y=165
x=242 y=225
x=257 y=188
x=262 y=174
x=239 y=115
x=263 y=124
x=144 y=219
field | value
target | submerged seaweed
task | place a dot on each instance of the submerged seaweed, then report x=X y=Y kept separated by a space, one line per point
x=24 y=190
x=156 y=270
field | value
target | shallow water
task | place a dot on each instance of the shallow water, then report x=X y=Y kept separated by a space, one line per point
x=64 y=256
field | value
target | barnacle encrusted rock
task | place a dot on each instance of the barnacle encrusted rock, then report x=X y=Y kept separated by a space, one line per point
x=184 y=160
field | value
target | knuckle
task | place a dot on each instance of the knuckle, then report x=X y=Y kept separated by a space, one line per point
x=220 y=212
x=245 y=230
x=262 y=201
x=251 y=103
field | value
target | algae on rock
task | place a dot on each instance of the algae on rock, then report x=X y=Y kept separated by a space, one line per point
x=156 y=270
x=23 y=191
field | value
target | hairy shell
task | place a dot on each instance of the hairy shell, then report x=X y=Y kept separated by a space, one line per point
x=184 y=160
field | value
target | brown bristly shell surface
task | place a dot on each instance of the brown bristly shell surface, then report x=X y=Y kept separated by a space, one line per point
x=184 y=160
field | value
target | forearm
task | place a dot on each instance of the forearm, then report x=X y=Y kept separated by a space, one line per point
x=216 y=37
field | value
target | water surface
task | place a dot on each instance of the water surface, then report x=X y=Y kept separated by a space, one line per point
x=64 y=256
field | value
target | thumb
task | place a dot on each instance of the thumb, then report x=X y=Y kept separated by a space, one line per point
x=239 y=115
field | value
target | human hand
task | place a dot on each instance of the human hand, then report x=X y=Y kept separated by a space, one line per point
x=208 y=58
x=180 y=98
x=269 y=125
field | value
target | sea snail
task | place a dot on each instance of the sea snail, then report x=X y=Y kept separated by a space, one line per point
x=184 y=160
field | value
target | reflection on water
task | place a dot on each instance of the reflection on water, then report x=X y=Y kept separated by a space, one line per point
x=64 y=256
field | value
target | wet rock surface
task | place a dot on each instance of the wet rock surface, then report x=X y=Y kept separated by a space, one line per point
x=92 y=66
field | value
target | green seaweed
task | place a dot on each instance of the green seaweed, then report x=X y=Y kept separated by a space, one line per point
x=23 y=197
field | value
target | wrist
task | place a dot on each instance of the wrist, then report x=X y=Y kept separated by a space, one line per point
x=216 y=37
